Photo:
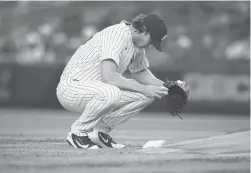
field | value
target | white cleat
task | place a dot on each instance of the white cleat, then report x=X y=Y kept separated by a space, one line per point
x=80 y=141
x=104 y=140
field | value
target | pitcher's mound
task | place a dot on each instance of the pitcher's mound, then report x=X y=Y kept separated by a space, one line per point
x=229 y=145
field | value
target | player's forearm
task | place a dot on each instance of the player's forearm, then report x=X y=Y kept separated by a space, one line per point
x=149 y=80
x=145 y=77
x=125 y=84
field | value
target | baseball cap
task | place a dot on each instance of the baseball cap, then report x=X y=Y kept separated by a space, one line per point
x=157 y=28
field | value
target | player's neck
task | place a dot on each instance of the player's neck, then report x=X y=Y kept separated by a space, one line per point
x=134 y=34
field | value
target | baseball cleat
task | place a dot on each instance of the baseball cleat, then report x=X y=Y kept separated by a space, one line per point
x=104 y=140
x=80 y=141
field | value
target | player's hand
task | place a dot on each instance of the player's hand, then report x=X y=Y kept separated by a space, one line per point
x=155 y=91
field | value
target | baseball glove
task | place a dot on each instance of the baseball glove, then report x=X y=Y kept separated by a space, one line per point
x=177 y=96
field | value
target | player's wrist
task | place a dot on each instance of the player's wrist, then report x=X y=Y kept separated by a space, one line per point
x=138 y=87
x=143 y=89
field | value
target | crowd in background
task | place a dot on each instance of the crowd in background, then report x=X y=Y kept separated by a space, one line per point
x=198 y=31
x=208 y=45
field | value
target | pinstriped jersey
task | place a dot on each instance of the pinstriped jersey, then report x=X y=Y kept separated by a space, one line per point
x=114 y=42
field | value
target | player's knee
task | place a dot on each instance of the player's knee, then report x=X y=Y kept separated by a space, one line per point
x=113 y=94
x=149 y=101
x=145 y=100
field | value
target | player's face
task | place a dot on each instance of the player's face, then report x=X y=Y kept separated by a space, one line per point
x=145 y=40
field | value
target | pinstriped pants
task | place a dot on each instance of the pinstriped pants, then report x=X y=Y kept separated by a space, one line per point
x=103 y=106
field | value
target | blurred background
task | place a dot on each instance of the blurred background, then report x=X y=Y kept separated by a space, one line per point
x=208 y=46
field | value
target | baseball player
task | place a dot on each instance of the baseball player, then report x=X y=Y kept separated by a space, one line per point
x=93 y=84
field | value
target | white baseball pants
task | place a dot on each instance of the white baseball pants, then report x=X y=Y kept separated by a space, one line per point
x=103 y=106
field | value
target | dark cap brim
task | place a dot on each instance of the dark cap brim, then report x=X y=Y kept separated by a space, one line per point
x=157 y=45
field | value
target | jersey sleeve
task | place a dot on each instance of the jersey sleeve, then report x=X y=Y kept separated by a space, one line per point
x=139 y=61
x=113 y=42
